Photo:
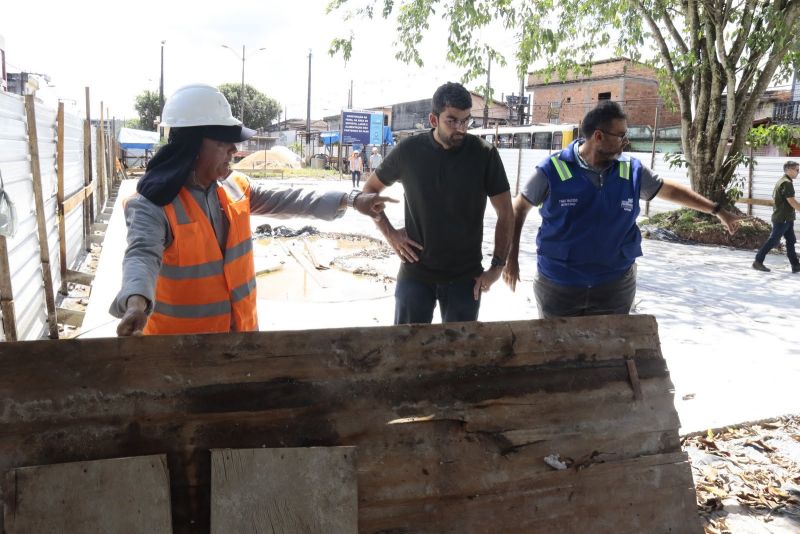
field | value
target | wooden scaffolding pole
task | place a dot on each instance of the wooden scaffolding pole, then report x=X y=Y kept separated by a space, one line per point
x=7 y=294
x=41 y=223
x=101 y=166
x=88 y=206
x=62 y=229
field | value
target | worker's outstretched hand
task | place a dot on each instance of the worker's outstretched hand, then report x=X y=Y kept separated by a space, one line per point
x=484 y=282
x=511 y=272
x=135 y=318
x=403 y=245
x=371 y=204
x=729 y=220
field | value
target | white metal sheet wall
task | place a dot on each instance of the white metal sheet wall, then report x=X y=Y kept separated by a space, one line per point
x=73 y=182
x=23 y=247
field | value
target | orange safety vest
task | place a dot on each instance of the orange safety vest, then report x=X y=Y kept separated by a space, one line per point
x=198 y=288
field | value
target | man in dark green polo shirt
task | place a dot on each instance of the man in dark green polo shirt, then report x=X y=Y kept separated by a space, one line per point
x=447 y=175
x=783 y=216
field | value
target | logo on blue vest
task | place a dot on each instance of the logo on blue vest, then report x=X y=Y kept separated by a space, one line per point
x=627 y=204
x=567 y=202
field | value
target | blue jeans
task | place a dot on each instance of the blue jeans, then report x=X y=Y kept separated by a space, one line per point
x=415 y=301
x=356 y=179
x=785 y=230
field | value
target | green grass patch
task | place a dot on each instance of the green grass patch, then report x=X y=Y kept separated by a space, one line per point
x=699 y=227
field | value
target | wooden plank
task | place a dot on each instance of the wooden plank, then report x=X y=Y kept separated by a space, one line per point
x=70 y=317
x=7 y=294
x=62 y=229
x=756 y=201
x=41 y=224
x=451 y=422
x=78 y=277
x=123 y=495
x=88 y=205
x=284 y=490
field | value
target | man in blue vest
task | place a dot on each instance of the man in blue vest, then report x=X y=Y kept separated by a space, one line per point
x=589 y=200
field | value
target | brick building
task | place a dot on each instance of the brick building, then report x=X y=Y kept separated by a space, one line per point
x=632 y=84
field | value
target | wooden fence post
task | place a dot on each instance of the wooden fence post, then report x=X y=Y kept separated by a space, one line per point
x=101 y=166
x=62 y=230
x=88 y=204
x=7 y=294
x=41 y=223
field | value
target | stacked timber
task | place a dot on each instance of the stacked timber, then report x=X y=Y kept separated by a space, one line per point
x=563 y=425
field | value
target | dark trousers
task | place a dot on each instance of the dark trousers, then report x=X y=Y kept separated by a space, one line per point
x=613 y=298
x=415 y=301
x=356 y=179
x=785 y=230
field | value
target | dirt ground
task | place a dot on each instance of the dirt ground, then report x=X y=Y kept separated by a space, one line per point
x=747 y=477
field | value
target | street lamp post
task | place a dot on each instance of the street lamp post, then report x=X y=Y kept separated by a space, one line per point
x=161 y=84
x=308 y=102
x=242 y=57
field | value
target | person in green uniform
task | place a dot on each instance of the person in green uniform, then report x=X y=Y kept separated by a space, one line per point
x=783 y=216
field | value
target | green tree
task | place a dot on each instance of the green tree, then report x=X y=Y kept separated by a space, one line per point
x=148 y=109
x=260 y=110
x=715 y=57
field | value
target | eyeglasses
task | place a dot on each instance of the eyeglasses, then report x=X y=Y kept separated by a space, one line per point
x=622 y=137
x=456 y=123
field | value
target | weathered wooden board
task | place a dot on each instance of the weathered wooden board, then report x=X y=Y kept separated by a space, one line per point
x=124 y=496
x=301 y=490
x=451 y=422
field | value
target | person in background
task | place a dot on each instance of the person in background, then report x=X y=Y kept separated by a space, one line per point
x=356 y=168
x=375 y=159
x=189 y=263
x=783 y=216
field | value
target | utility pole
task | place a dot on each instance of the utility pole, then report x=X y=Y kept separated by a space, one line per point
x=161 y=87
x=242 y=116
x=308 y=102
x=488 y=92
x=350 y=96
x=521 y=104
x=243 y=58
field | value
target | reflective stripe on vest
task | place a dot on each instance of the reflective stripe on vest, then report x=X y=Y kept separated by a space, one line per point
x=625 y=170
x=561 y=168
x=201 y=288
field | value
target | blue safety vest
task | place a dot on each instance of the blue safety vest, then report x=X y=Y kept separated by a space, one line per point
x=588 y=235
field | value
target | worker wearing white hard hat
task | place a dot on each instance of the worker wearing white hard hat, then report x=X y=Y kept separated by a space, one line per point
x=189 y=263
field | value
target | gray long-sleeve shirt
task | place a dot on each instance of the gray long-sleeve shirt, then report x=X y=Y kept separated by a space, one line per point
x=149 y=233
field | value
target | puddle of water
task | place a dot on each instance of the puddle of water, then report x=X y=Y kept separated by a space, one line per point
x=285 y=279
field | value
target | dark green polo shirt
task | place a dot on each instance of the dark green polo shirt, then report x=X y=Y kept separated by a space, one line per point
x=783 y=212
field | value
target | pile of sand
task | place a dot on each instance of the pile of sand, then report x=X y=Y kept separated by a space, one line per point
x=268 y=159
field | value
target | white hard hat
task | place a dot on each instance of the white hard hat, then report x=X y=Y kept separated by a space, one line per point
x=198 y=105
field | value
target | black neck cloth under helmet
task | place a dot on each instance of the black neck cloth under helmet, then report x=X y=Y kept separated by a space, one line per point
x=173 y=164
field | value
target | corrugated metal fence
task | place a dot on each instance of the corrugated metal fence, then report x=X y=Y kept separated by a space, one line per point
x=67 y=196
x=521 y=164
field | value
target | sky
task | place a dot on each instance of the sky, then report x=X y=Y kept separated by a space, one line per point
x=115 y=50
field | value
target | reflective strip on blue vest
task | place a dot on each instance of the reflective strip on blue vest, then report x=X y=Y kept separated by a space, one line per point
x=561 y=168
x=625 y=170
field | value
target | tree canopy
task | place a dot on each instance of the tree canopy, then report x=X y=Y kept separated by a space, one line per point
x=715 y=57
x=147 y=106
x=260 y=110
